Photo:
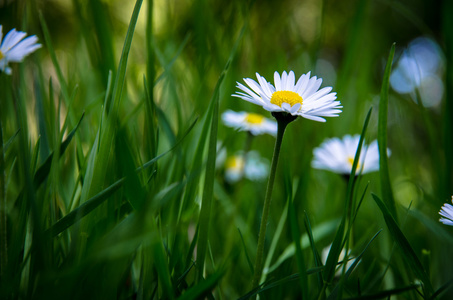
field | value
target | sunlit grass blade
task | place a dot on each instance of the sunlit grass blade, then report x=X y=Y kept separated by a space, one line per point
x=407 y=252
x=386 y=187
x=121 y=73
x=295 y=233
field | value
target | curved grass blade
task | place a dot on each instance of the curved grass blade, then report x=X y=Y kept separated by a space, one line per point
x=406 y=249
x=249 y=262
x=199 y=290
x=316 y=257
x=386 y=187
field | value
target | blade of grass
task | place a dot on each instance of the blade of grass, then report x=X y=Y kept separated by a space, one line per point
x=98 y=199
x=316 y=257
x=249 y=262
x=336 y=293
x=208 y=188
x=386 y=188
x=403 y=245
x=295 y=233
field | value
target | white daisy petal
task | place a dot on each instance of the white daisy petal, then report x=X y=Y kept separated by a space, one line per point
x=302 y=98
x=447 y=212
x=338 y=155
x=14 y=48
x=254 y=123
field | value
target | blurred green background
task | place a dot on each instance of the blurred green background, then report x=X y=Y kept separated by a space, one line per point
x=182 y=53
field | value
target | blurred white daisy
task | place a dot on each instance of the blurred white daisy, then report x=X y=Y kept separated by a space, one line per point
x=337 y=155
x=254 y=123
x=447 y=213
x=14 y=48
x=301 y=98
x=252 y=167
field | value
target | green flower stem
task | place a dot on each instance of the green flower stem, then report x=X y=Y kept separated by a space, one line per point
x=283 y=120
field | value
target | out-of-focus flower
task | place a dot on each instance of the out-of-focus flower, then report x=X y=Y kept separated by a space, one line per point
x=419 y=68
x=447 y=213
x=301 y=98
x=252 y=167
x=254 y=123
x=14 y=48
x=337 y=155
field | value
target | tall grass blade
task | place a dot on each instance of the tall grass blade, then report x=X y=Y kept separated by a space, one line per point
x=295 y=233
x=386 y=187
x=208 y=188
x=405 y=248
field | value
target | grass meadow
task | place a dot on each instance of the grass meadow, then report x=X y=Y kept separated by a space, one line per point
x=112 y=161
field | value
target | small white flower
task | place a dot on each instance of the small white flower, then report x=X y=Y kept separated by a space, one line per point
x=301 y=98
x=14 y=48
x=255 y=123
x=447 y=213
x=337 y=155
x=254 y=167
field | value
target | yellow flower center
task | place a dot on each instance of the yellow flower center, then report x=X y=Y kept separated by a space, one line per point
x=235 y=162
x=1 y=55
x=254 y=119
x=351 y=162
x=289 y=97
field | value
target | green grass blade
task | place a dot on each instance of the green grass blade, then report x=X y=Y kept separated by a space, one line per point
x=316 y=257
x=249 y=262
x=53 y=57
x=121 y=74
x=44 y=170
x=208 y=188
x=132 y=187
x=10 y=140
x=386 y=187
x=199 y=290
x=295 y=233
x=338 y=288
x=406 y=249
x=386 y=294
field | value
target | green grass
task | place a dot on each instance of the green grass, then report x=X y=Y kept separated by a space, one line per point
x=111 y=184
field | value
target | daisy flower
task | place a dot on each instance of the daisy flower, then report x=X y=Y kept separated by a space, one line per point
x=254 y=123
x=14 y=48
x=252 y=167
x=337 y=155
x=302 y=98
x=447 y=213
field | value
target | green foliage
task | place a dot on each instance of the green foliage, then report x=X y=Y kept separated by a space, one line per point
x=112 y=169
